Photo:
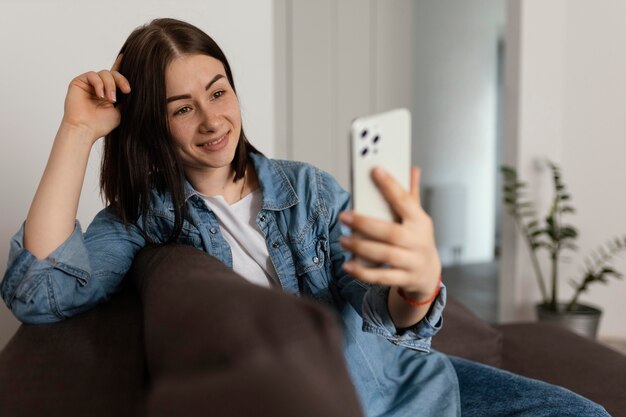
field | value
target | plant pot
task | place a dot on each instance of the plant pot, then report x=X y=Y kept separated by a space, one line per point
x=582 y=319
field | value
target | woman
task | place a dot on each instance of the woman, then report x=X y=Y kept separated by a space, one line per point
x=177 y=167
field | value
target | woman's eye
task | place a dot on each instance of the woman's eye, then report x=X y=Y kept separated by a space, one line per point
x=218 y=94
x=182 y=110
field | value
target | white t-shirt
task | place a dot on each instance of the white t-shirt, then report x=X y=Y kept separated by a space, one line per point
x=251 y=258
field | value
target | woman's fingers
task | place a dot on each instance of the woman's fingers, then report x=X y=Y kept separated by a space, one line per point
x=96 y=83
x=401 y=201
x=117 y=63
x=390 y=277
x=109 y=85
x=103 y=84
x=380 y=230
x=121 y=82
x=416 y=175
x=380 y=253
x=406 y=203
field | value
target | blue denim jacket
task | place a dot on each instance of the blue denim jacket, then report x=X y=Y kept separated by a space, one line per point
x=394 y=371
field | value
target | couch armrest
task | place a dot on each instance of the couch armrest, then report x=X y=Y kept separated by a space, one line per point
x=558 y=356
x=218 y=345
x=467 y=336
x=88 y=365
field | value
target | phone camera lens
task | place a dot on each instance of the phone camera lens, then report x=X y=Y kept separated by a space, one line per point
x=363 y=133
x=376 y=138
x=364 y=151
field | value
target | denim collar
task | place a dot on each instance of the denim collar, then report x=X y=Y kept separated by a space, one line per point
x=278 y=192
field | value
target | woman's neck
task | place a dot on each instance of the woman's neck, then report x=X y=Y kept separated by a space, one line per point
x=220 y=182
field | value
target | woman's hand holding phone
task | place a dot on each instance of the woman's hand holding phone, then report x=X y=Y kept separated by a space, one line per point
x=406 y=248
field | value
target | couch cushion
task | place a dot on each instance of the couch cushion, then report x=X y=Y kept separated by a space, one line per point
x=552 y=354
x=465 y=335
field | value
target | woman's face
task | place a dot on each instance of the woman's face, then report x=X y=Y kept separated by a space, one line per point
x=203 y=113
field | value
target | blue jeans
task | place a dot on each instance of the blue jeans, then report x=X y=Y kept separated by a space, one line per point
x=487 y=391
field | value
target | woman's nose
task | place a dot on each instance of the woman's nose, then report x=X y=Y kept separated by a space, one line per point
x=210 y=120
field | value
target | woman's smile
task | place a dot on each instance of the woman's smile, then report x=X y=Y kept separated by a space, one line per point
x=215 y=145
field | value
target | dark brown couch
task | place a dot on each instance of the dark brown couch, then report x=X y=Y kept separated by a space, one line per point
x=541 y=351
x=95 y=364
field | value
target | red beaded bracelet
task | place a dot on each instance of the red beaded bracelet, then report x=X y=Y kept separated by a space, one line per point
x=421 y=303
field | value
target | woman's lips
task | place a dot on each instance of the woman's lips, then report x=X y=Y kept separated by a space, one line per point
x=216 y=144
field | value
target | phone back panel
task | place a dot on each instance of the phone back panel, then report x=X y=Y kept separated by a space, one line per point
x=379 y=140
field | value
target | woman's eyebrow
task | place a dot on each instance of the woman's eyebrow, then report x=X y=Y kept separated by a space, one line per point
x=185 y=96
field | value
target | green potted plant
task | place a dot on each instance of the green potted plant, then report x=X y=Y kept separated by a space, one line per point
x=554 y=237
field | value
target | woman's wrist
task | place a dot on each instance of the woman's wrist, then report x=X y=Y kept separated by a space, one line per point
x=77 y=135
x=76 y=132
x=418 y=299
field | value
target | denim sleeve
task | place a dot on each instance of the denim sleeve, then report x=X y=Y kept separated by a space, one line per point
x=417 y=337
x=371 y=300
x=82 y=272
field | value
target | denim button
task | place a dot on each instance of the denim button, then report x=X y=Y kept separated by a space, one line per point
x=275 y=244
x=262 y=218
x=213 y=230
x=316 y=260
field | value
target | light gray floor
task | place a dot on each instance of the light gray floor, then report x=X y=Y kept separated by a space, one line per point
x=475 y=286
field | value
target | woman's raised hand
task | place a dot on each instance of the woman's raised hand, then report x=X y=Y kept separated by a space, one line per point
x=90 y=101
x=89 y=114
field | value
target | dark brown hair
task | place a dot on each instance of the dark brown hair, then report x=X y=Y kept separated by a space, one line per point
x=139 y=155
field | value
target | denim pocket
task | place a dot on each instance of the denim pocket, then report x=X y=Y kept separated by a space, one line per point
x=311 y=256
x=313 y=269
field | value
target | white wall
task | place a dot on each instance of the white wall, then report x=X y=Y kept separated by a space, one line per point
x=571 y=95
x=45 y=44
x=345 y=59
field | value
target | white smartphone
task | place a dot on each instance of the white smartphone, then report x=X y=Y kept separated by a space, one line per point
x=379 y=140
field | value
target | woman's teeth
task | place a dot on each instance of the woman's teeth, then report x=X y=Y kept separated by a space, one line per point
x=214 y=142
